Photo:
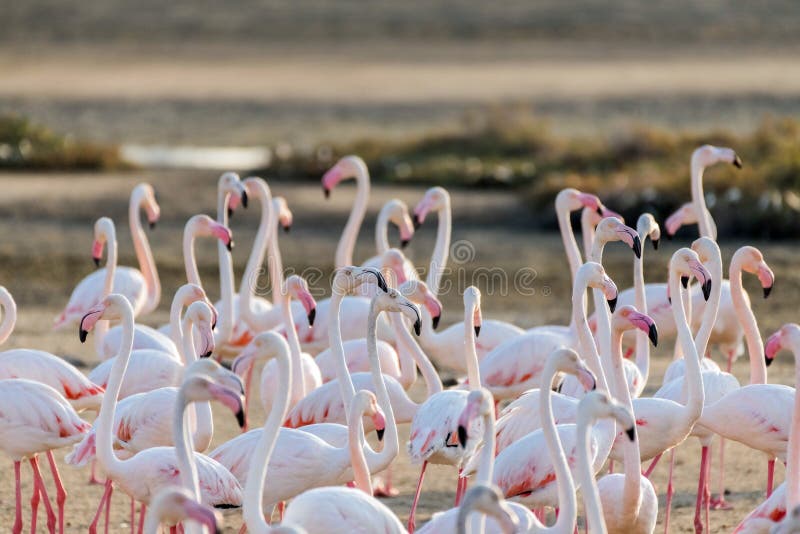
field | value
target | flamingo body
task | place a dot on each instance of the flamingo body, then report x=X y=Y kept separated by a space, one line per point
x=346 y=511
x=355 y=352
x=147 y=370
x=128 y=281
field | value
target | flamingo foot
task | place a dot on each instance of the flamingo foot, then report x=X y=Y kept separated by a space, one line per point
x=719 y=503
x=93 y=480
x=383 y=488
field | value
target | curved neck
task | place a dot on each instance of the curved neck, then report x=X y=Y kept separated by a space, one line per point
x=588 y=348
x=180 y=434
x=101 y=328
x=755 y=346
x=189 y=261
x=356 y=444
x=568 y=238
x=407 y=347
x=631 y=494
x=226 y=288
x=699 y=201
x=793 y=450
x=175 y=327
x=144 y=255
x=587 y=231
x=346 y=387
x=10 y=317
x=382 y=230
x=105 y=451
x=266 y=227
x=379 y=460
x=696 y=396
x=344 y=250
x=711 y=308
x=470 y=352
x=298 y=384
x=187 y=349
x=603 y=316
x=591 y=495
x=441 y=250
x=640 y=300
x=568 y=508
x=257 y=473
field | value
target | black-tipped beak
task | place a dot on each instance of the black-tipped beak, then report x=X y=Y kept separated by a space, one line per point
x=229 y=246
x=96 y=262
x=599 y=211
x=477 y=330
x=417 y=327
x=655 y=243
x=241 y=418
x=152 y=225
x=82 y=334
x=737 y=162
x=311 y=316
x=685 y=281
x=462 y=436
x=768 y=360
x=637 y=246
x=612 y=304
x=213 y=324
x=404 y=243
x=707 y=289
x=380 y=433
x=767 y=291
x=417 y=222
x=230 y=213
x=287 y=228
x=631 y=432
x=206 y=355
x=326 y=192
x=594 y=385
x=380 y=280
x=244 y=199
x=435 y=321
x=653 y=335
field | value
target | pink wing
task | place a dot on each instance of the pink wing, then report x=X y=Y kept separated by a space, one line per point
x=127 y=281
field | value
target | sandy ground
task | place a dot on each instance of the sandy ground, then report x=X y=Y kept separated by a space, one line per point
x=45 y=251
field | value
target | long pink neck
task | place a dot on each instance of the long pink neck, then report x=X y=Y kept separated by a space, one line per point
x=356 y=444
x=298 y=384
x=603 y=319
x=102 y=327
x=441 y=249
x=640 y=300
x=470 y=352
x=696 y=395
x=699 y=201
x=225 y=327
x=347 y=243
x=567 y=236
x=346 y=387
x=793 y=450
x=266 y=226
x=143 y=253
x=407 y=347
x=585 y=339
x=755 y=346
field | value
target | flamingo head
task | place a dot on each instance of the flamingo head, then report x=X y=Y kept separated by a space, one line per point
x=189 y=293
x=681 y=217
x=611 y=229
x=488 y=500
x=707 y=249
x=393 y=263
x=435 y=199
x=103 y=233
x=366 y=402
x=752 y=261
x=397 y=213
x=567 y=361
x=297 y=287
x=598 y=404
x=263 y=347
x=628 y=317
x=174 y=504
x=347 y=279
x=472 y=302
x=417 y=292
x=109 y=308
x=285 y=216
x=232 y=188
x=205 y=226
x=219 y=374
x=708 y=155
x=200 y=388
x=202 y=317
x=480 y=403
x=596 y=278
x=686 y=263
x=786 y=336
x=345 y=168
x=647 y=226
x=571 y=199
x=591 y=216
x=150 y=205
x=393 y=301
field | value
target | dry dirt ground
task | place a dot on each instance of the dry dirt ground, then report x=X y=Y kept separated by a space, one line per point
x=45 y=252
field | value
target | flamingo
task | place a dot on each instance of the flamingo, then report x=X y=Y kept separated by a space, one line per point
x=395 y=211
x=629 y=501
x=488 y=500
x=145 y=473
x=434 y=433
x=521 y=416
x=171 y=505
x=445 y=347
x=314 y=462
x=786 y=496
x=344 y=169
x=516 y=365
x=44 y=367
x=593 y=406
x=141 y=286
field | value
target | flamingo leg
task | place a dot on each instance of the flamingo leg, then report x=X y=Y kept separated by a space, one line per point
x=17 y=528
x=652 y=466
x=173 y=530
x=720 y=503
x=61 y=493
x=281 y=509
x=611 y=467
x=243 y=530
x=701 y=484
x=770 y=476
x=108 y=506
x=670 y=491
x=707 y=490
x=93 y=476
x=248 y=380
x=104 y=499
x=142 y=513
x=384 y=488
x=39 y=482
x=133 y=516
x=411 y=522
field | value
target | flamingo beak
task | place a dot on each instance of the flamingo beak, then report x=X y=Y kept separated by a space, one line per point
x=326 y=192
x=652 y=334
x=435 y=321
x=612 y=304
x=685 y=281
x=737 y=161
x=404 y=243
x=631 y=433
x=637 y=246
x=462 y=436
x=311 y=316
x=655 y=243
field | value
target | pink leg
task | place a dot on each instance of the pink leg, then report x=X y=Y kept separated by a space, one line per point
x=770 y=476
x=707 y=490
x=17 y=528
x=701 y=484
x=105 y=498
x=133 y=516
x=652 y=466
x=108 y=507
x=281 y=509
x=670 y=491
x=611 y=467
x=384 y=488
x=461 y=485
x=39 y=481
x=720 y=503
x=248 y=379
x=61 y=493
x=243 y=530
x=411 y=522
x=731 y=354
x=93 y=476
x=142 y=513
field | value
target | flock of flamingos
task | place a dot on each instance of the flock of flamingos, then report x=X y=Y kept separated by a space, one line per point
x=539 y=416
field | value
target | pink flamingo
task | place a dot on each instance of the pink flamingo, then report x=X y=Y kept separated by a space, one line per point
x=786 y=496
x=141 y=286
x=44 y=367
x=445 y=347
x=521 y=416
x=41 y=422
x=172 y=505
x=151 y=469
x=346 y=168
x=395 y=211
